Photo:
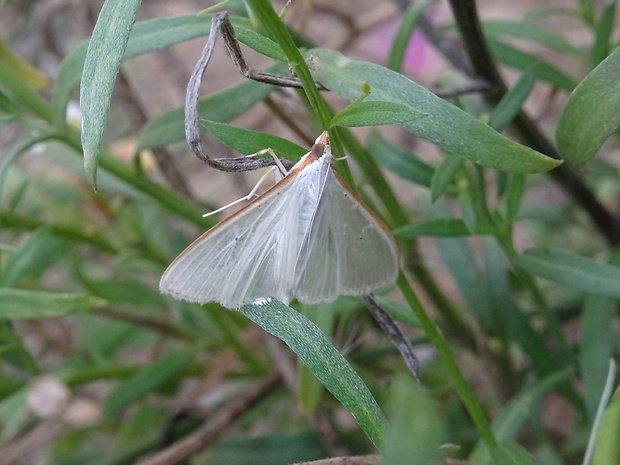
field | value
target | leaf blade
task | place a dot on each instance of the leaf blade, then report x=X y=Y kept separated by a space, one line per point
x=572 y=270
x=109 y=40
x=375 y=113
x=446 y=125
x=591 y=113
x=20 y=304
x=327 y=364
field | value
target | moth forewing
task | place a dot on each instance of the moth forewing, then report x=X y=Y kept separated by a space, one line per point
x=308 y=237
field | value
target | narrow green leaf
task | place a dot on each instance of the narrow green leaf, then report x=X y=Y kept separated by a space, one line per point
x=444 y=175
x=591 y=114
x=511 y=453
x=446 y=126
x=443 y=227
x=33 y=256
x=310 y=389
x=459 y=260
x=403 y=35
x=586 y=8
x=14 y=85
x=375 y=113
x=8 y=106
x=149 y=379
x=607 y=446
x=103 y=60
x=29 y=75
x=529 y=31
x=511 y=418
x=596 y=348
x=572 y=270
x=260 y=43
x=125 y=292
x=248 y=142
x=511 y=103
x=466 y=199
x=413 y=414
x=514 y=195
x=10 y=155
x=399 y=161
x=146 y=37
x=19 y=304
x=604 y=30
x=518 y=59
x=223 y=106
x=327 y=364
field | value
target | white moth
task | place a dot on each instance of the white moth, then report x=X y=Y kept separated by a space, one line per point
x=308 y=237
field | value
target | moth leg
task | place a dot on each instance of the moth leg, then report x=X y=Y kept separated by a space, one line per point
x=283 y=170
x=247 y=197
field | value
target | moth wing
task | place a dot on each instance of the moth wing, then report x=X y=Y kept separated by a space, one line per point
x=248 y=256
x=348 y=250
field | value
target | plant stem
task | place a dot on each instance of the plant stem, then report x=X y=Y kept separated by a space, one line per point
x=433 y=334
x=274 y=27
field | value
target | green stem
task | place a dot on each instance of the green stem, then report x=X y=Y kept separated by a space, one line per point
x=274 y=27
x=24 y=95
x=433 y=334
x=271 y=23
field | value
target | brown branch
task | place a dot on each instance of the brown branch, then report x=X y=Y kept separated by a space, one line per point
x=210 y=431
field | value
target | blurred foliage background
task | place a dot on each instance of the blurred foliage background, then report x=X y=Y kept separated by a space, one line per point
x=516 y=273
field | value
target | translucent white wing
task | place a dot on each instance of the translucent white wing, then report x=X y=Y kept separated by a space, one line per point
x=348 y=250
x=308 y=237
x=250 y=255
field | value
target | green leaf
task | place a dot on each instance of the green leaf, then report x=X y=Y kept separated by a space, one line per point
x=607 y=446
x=604 y=30
x=440 y=227
x=11 y=153
x=19 y=304
x=14 y=85
x=511 y=453
x=248 y=142
x=518 y=59
x=260 y=43
x=403 y=35
x=591 y=114
x=278 y=448
x=596 y=348
x=103 y=60
x=374 y=113
x=146 y=37
x=33 y=256
x=514 y=196
x=510 y=419
x=444 y=175
x=572 y=270
x=149 y=379
x=446 y=126
x=29 y=75
x=413 y=414
x=399 y=161
x=128 y=292
x=223 y=106
x=529 y=31
x=310 y=390
x=511 y=103
x=322 y=358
